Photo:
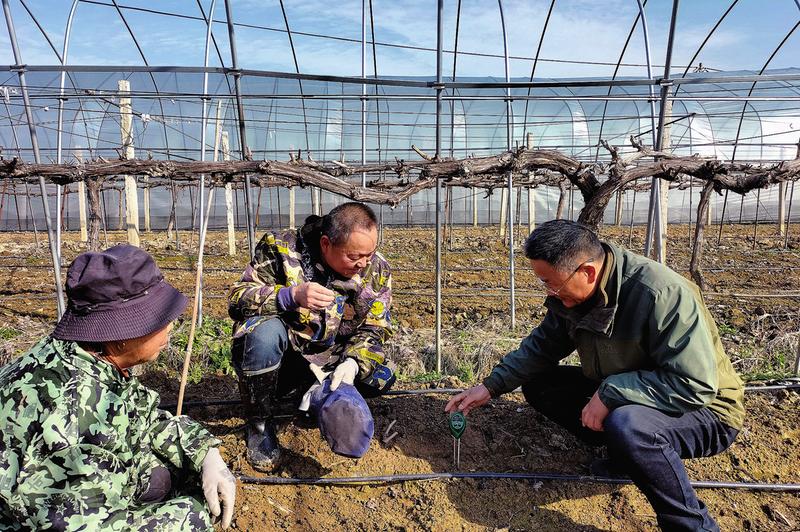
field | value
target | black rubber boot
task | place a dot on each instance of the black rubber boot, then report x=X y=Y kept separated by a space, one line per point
x=258 y=392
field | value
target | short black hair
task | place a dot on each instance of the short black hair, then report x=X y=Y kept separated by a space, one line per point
x=562 y=244
x=343 y=219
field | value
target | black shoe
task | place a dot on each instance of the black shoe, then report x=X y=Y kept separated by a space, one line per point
x=605 y=467
x=263 y=451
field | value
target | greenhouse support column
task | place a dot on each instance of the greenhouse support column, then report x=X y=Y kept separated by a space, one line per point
x=237 y=79
x=666 y=143
x=126 y=131
x=439 y=86
x=364 y=91
x=655 y=229
x=54 y=252
x=509 y=177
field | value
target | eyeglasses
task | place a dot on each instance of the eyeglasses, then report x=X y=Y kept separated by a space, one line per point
x=552 y=292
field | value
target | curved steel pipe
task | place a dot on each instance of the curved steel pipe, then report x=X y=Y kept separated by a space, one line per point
x=54 y=253
x=509 y=174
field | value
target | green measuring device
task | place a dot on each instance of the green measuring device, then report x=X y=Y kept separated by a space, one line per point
x=458 y=424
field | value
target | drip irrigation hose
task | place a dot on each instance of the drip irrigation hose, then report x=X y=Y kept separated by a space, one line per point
x=449 y=391
x=415 y=477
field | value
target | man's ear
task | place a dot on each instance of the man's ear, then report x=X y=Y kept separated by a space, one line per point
x=591 y=271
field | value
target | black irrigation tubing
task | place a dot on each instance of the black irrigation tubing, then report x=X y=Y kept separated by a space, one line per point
x=488 y=475
x=499 y=292
x=446 y=391
x=402 y=270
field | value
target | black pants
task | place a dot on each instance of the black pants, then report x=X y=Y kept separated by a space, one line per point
x=646 y=443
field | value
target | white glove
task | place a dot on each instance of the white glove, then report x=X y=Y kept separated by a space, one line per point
x=344 y=373
x=305 y=403
x=218 y=484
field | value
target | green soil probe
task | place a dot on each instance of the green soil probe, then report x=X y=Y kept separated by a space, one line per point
x=458 y=424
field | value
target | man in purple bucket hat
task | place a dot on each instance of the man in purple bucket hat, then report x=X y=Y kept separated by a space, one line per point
x=312 y=310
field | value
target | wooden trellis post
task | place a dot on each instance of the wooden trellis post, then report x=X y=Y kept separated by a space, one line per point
x=618 y=209
x=222 y=137
x=131 y=197
x=226 y=155
x=503 y=213
x=782 y=208
x=291 y=208
x=531 y=191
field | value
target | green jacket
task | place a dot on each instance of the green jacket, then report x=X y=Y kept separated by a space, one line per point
x=649 y=340
x=78 y=442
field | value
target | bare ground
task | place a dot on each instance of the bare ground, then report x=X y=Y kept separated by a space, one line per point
x=760 y=334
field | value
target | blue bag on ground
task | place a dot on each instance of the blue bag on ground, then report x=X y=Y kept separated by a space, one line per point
x=343 y=418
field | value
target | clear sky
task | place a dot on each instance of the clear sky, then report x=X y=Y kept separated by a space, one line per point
x=328 y=34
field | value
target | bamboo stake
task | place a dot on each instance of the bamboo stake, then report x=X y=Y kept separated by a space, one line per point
x=196 y=305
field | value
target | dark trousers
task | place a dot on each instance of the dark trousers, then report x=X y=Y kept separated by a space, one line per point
x=646 y=443
x=265 y=349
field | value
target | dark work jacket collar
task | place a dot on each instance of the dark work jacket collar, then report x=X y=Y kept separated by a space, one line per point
x=599 y=316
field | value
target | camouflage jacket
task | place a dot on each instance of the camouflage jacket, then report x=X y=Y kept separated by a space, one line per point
x=78 y=442
x=355 y=325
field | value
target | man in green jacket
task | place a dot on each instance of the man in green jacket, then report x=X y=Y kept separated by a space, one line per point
x=654 y=385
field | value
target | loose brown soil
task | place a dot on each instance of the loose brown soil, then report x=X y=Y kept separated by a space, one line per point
x=507 y=436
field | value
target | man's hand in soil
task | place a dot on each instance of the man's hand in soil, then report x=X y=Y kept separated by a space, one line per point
x=312 y=296
x=468 y=399
x=594 y=413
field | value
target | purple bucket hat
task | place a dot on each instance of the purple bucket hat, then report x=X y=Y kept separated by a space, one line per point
x=117 y=294
x=343 y=418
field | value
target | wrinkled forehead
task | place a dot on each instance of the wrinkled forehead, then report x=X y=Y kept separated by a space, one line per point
x=361 y=240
